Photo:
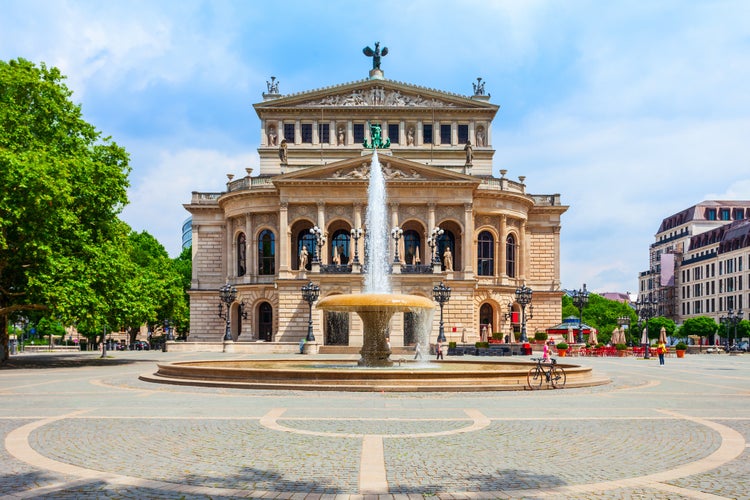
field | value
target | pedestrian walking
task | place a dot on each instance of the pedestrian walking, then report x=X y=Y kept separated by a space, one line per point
x=439 y=350
x=661 y=350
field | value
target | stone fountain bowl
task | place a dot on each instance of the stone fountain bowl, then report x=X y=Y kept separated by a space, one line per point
x=373 y=302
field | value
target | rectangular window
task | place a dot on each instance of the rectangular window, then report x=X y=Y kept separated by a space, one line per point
x=359 y=133
x=324 y=133
x=739 y=263
x=711 y=214
x=445 y=134
x=393 y=129
x=739 y=214
x=724 y=214
x=427 y=133
x=713 y=269
x=697 y=307
x=463 y=134
x=289 y=132
x=306 y=133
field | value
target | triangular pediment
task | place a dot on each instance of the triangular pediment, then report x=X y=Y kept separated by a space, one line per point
x=375 y=94
x=394 y=169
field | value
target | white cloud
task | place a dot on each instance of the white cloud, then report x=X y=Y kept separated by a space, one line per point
x=156 y=200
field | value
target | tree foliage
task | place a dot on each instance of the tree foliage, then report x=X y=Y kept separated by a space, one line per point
x=702 y=326
x=600 y=313
x=63 y=185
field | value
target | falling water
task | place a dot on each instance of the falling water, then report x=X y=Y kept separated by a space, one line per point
x=377 y=279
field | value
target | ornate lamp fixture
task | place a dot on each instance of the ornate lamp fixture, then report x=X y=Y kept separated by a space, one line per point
x=580 y=300
x=441 y=294
x=356 y=234
x=227 y=295
x=396 y=234
x=523 y=297
x=310 y=294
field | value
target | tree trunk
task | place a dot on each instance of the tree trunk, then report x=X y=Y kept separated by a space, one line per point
x=4 y=340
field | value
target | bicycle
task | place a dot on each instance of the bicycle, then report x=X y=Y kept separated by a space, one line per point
x=546 y=372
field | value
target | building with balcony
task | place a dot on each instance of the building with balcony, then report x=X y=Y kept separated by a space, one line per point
x=314 y=172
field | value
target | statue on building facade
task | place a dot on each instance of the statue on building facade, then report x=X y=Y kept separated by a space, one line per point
x=478 y=87
x=448 y=259
x=480 y=137
x=272 y=137
x=282 y=151
x=377 y=138
x=303 y=258
x=273 y=86
x=469 y=153
x=375 y=54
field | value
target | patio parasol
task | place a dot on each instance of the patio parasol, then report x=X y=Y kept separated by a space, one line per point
x=570 y=335
x=592 y=337
x=644 y=337
x=663 y=335
x=615 y=336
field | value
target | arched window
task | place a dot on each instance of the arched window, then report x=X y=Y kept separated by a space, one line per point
x=411 y=248
x=304 y=238
x=241 y=254
x=447 y=240
x=266 y=253
x=486 y=254
x=265 y=322
x=510 y=256
x=340 y=245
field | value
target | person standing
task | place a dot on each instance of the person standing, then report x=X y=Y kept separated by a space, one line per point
x=661 y=350
x=439 y=350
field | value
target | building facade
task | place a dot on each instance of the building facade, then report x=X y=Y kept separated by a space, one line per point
x=698 y=264
x=314 y=170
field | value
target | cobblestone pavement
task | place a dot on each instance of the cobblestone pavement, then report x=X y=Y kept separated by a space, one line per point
x=76 y=426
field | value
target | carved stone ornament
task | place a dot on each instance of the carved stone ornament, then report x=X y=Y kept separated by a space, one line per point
x=378 y=96
x=363 y=172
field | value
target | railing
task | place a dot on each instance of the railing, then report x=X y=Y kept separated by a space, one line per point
x=336 y=268
x=416 y=269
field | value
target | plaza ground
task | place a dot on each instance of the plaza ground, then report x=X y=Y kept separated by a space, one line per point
x=77 y=426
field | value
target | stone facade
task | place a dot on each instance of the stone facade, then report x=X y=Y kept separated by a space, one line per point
x=314 y=172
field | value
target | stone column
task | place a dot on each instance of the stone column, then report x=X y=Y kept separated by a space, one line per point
x=228 y=250
x=285 y=242
x=402 y=133
x=454 y=133
x=250 y=256
x=297 y=132
x=468 y=240
x=394 y=223
x=332 y=133
x=523 y=251
x=322 y=225
x=436 y=139
x=315 y=135
x=349 y=133
x=501 y=253
x=419 y=139
x=263 y=135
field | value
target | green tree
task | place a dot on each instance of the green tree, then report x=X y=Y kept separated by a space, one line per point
x=63 y=186
x=184 y=266
x=600 y=313
x=702 y=326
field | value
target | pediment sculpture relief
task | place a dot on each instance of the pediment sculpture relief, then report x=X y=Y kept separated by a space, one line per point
x=378 y=96
x=363 y=172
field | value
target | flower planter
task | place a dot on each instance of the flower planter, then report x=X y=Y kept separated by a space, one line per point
x=621 y=354
x=562 y=352
x=680 y=353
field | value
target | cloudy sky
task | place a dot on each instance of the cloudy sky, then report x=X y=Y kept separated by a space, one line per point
x=631 y=111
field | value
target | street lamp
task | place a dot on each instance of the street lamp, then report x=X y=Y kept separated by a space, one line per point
x=356 y=234
x=580 y=300
x=441 y=294
x=396 y=234
x=523 y=297
x=169 y=331
x=310 y=293
x=646 y=309
x=432 y=241
x=731 y=319
x=622 y=321
x=320 y=240
x=227 y=295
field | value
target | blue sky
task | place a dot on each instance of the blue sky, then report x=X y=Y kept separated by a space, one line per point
x=631 y=111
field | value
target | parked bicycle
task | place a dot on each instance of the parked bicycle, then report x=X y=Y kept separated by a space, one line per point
x=548 y=373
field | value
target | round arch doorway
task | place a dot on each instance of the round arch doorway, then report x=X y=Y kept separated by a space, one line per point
x=265 y=322
x=486 y=316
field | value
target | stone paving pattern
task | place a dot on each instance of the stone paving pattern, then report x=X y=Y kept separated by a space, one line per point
x=99 y=432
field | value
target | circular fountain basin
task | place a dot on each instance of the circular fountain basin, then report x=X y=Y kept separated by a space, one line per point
x=375 y=310
x=345 y=375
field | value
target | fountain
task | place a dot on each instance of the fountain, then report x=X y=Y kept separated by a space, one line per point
x=377 y=304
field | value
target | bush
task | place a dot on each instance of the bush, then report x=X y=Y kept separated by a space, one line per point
x=621 y=347
x=562 y=345
x=497 y=335
x=451 y=345
x=680 y=346
x=540 y=336
x=482 y=345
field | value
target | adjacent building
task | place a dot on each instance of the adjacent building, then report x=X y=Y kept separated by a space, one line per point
x=491 y=234
x=698 y=263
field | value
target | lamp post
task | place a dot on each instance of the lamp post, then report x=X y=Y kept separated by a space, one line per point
x=167 y=330
x=646 y=309
x=580 y=300
x=731 y=319
x=227 y=295
x=310 y=293
x=356 y=234
x=396 y=234
x=432 y=241
x=441 y=294
x=523 y=297
x=622 y=321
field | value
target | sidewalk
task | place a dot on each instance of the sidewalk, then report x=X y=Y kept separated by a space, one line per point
x=78 y=426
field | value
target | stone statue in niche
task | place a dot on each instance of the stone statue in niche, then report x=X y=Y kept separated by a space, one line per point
x=282 y=151
x=303 y=258
x=341 y=136
x=480 y=137
x=448 y=259
x=410 y=137
x=272 y=137
x=469 y=153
